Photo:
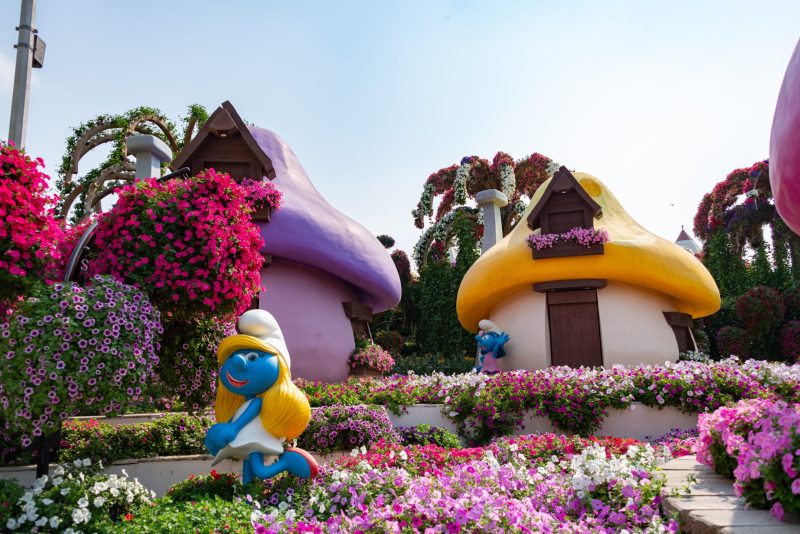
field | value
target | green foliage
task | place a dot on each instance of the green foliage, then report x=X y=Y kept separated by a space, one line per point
x=114 y=129
x=726 y=265
x=191 y=517
x=167 y=436
x=10 y=492
x=426 y=434
x=187 y=367
x=223 y=485
x=386 y=240
x=439 y=330
x=425 y=364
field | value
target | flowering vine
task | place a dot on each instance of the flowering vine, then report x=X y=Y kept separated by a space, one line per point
x=457 y=184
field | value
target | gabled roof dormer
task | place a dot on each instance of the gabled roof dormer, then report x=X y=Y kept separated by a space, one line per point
x=564 y=205
x=225 y=144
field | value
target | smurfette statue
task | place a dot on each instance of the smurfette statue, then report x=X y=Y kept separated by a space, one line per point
x=491 y=343
x=258 y=407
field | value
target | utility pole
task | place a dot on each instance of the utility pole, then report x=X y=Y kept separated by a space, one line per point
x=22 y=76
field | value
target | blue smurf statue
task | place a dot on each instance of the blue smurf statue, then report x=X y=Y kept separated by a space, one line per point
x=490 y=347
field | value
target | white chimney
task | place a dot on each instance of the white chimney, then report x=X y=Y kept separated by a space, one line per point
x=491 y=200
x=150 y=153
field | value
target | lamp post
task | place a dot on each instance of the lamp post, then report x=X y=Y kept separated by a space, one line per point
x=30 y=54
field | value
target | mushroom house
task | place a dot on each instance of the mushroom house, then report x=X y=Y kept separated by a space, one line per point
x=582 y=284
x=324 y=274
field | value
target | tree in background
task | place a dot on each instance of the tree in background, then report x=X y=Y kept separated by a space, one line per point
x=754 y=258
x=438 y=328
x=456 y=184
x=81 y=195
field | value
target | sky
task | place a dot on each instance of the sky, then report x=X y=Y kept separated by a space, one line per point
x=659 y=100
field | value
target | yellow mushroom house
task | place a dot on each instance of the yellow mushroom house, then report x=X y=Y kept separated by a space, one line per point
x=583 y=284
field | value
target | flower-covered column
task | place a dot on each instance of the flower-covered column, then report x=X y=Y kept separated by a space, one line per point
x=491 y=200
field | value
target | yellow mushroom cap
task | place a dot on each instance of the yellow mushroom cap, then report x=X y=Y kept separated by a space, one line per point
x=632 y=256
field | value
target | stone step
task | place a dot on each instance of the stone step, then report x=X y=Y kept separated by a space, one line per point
x=712 y=505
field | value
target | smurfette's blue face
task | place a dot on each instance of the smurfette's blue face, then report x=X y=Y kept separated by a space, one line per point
x=249 y=372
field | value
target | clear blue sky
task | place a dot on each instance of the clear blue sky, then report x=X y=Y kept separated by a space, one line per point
x=660 y=100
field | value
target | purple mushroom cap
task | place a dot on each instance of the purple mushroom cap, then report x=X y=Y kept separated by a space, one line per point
x=309 y=231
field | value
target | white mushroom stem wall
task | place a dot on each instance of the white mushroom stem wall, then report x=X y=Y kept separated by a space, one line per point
x=632 y=327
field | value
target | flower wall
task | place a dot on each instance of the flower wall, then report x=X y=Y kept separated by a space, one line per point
x=29 y=233
x=67 y=348
x=189 y=243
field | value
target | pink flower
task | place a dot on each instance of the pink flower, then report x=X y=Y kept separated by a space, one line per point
x=777 y=511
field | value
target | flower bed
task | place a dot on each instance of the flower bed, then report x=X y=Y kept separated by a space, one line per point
x=334 y=428
x=758 y=443
x=573 y=400
x=540 y=483
x=535 y=483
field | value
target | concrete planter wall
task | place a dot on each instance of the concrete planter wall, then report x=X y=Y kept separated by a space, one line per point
x=160 y=473
x=639 y=422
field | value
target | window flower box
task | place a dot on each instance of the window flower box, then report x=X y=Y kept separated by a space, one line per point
x=575 y=242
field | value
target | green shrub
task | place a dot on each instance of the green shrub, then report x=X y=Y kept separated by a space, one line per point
x=425 y=364
x=427 y=435
x=10 y=492
x=223 y=485
x=215 y=515
x=170 y=435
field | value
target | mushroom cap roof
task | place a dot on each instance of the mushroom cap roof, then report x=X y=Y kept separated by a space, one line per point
x=632 y=255
x=309 y=231
x=784 y=157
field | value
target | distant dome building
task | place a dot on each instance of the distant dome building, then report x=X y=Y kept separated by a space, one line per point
x=685 y=241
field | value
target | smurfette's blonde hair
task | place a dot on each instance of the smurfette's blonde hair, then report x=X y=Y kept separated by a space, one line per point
x=285 y=411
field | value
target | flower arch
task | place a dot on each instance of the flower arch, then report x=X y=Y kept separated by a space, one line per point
x=456 y=184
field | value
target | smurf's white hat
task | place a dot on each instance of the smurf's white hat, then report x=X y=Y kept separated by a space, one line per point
x=258 y=330
x=488 y=326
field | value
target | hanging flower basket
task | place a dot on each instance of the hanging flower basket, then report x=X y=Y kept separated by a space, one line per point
x=370 y=360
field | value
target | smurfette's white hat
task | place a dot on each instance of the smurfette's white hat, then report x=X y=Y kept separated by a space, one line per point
x=258 y=330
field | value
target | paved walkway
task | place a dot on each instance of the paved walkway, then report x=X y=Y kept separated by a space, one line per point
x=713 y=507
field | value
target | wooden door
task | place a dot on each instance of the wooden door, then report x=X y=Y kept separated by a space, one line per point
x=574 y=328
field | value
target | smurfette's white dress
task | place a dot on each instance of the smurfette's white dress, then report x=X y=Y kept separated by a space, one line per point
x=252 y=438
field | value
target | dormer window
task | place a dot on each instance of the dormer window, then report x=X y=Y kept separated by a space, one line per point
x=565 y=205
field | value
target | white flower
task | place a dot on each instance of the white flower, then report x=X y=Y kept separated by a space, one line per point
x=11 y=524
x=64 y=491
x=86 y=462
x=57 y=481
x=47 y=502
x=54 y=522
x=42 y=521
x=99 y=501
x=83 y=502
x=80 y=515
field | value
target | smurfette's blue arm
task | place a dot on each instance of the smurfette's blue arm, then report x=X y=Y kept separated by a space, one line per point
x=249 y=414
